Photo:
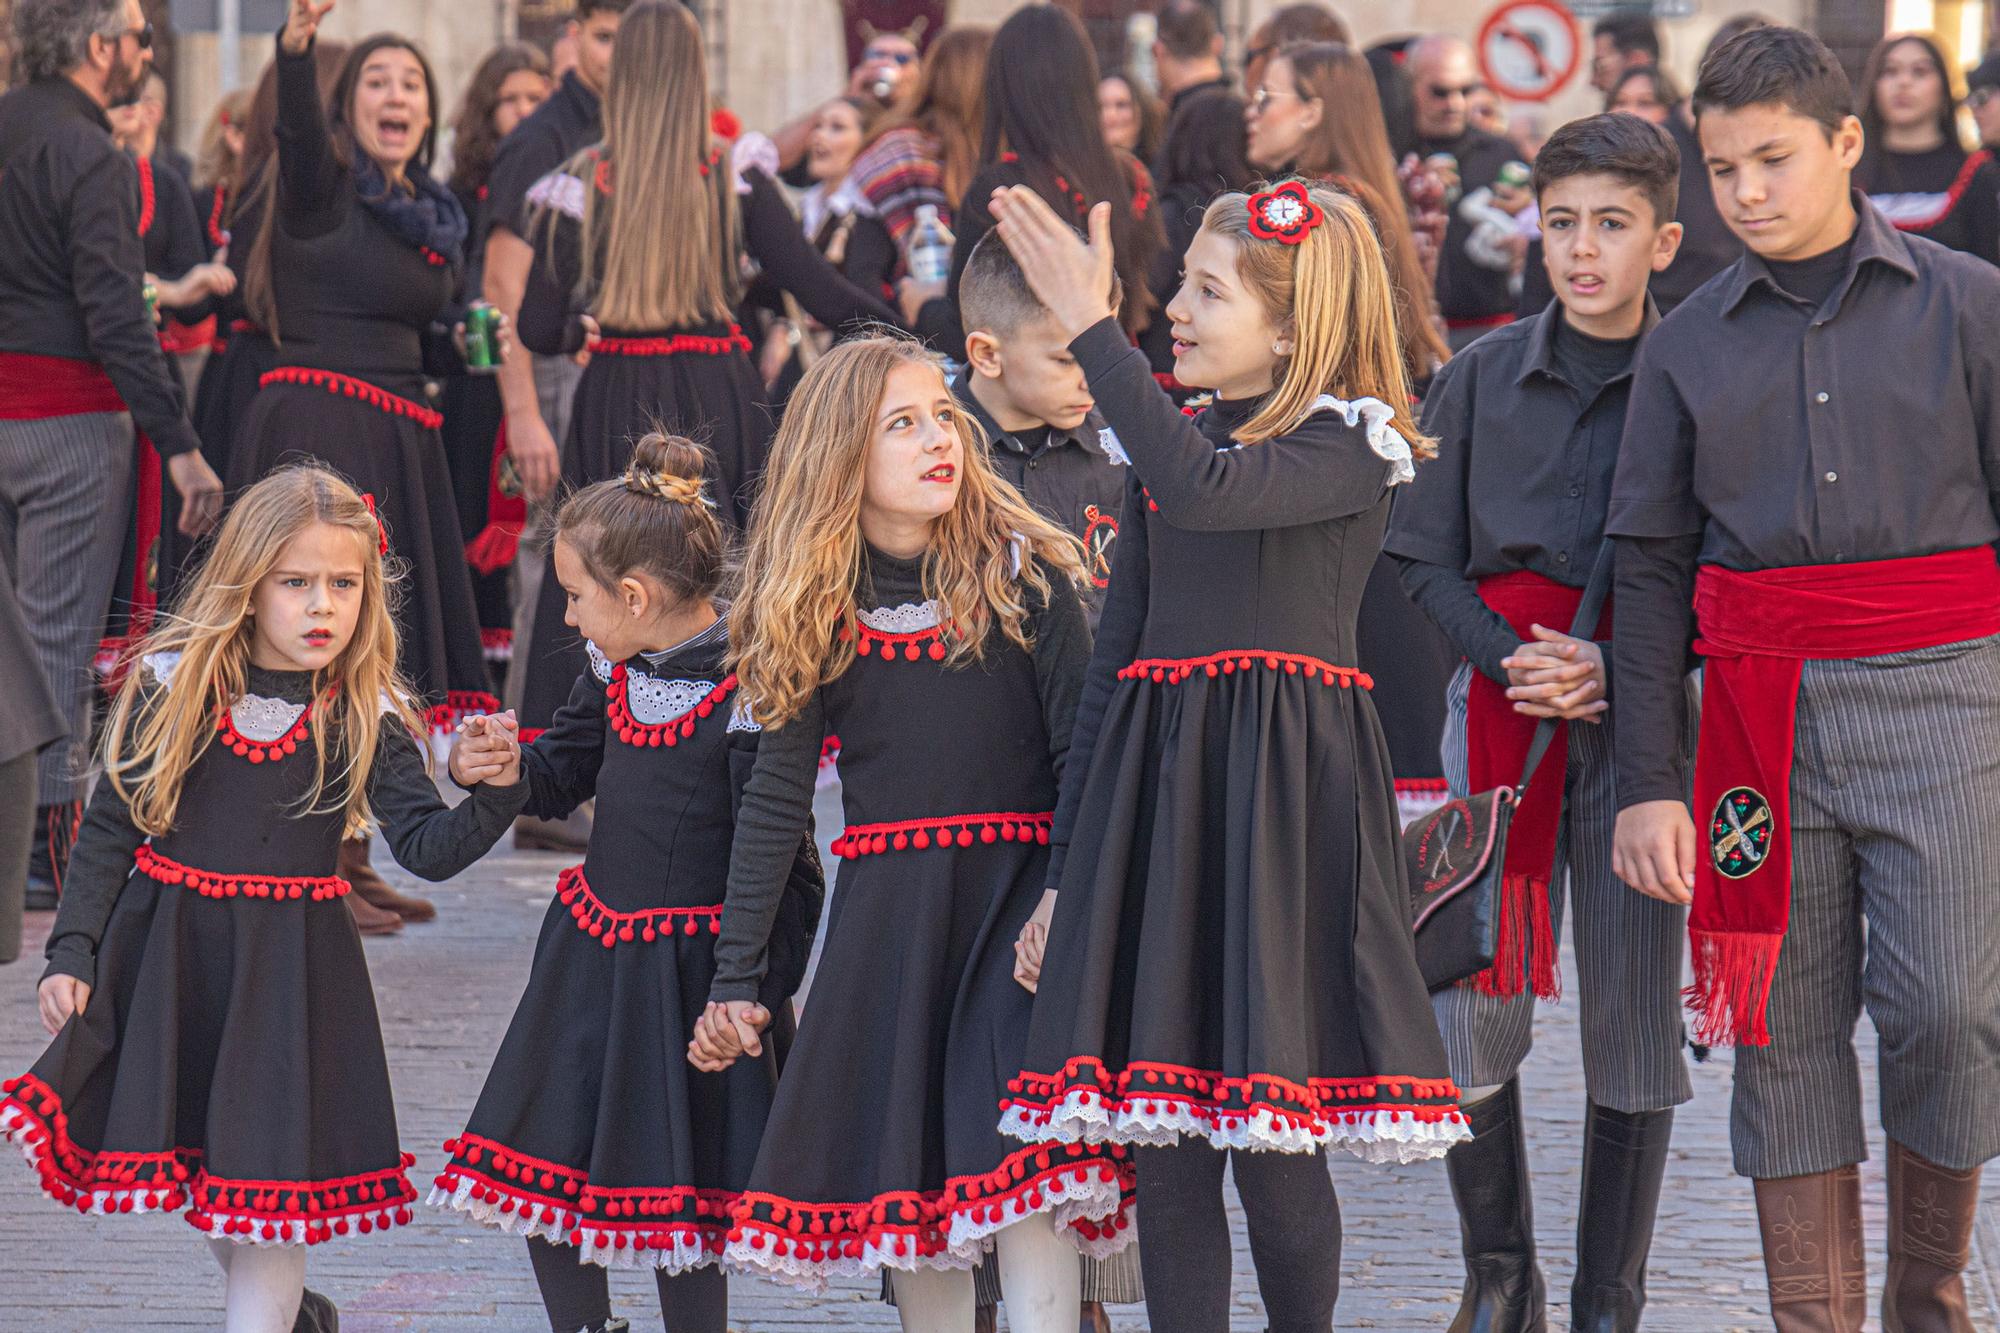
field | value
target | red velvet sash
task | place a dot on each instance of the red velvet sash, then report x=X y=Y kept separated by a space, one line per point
x=1496 y=746
x=1756 y=631
x=493 y=546
x=34 y=388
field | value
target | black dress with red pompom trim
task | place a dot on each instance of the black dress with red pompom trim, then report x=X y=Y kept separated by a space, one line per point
x=1231 y=957
x=881 y=1151
x=229 y=1063
x=593 y=1130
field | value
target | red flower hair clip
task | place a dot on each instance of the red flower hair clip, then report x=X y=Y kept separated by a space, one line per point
x=724 y=123
x=1285 y=214
x=380 y=529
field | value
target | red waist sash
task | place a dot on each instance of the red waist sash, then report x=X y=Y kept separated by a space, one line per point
x=1496 y=746
x=1756 y=632
x=34 y=388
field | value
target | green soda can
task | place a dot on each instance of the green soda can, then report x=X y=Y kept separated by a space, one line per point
x=482 y=350
x=151 y=291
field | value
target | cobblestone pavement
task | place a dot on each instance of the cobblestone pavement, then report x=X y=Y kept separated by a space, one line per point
x=446 y=992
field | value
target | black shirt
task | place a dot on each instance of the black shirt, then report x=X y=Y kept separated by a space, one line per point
x=1946 y=194
x=174 y=241
x=1072 y=477
x=1467 y=292
x=70 y=256
x=1528 y=422
x=1764 y=432
x=570 y=121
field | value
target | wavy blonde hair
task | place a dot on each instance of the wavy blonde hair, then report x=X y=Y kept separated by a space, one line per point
x=153 y=737
x=806 y=554
x=1332 y=291
x=659 y=249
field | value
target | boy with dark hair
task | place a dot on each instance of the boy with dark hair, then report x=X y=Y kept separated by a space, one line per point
x=1622 y=41
x=1807 y=485
x=1021 y=383
x=1528 y=422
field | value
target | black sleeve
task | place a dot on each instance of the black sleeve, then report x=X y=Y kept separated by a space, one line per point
x=187 y=245
x=1652 y=491
x=772 y=236
x=560 y=765
x=531 y=152
x=99 y=866
x=774 y=813
x=1118 y=632
x=796 y=920
x=1653 y=606
x=106 y=258
x=311 y=183
x=871 y=255
x=1479 y=633
x=1062 y=658
x=1323 y=470
x=548 y=327
x=428 y=838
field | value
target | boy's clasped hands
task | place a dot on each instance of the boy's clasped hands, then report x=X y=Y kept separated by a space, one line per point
x=488 y=750
x=1557 y=675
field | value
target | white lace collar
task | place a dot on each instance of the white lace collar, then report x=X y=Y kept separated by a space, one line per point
x=908 y=618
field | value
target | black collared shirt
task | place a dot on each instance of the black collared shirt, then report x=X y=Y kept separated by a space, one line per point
x=1467 y=292
x=1521 y=481
x=1868 y=429
x=71 y=262
x=570 y=121
x=1075 y=478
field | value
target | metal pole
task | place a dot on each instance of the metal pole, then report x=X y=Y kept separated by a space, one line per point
x=229 y=43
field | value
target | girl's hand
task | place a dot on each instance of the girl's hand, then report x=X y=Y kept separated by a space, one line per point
x=62 y=996
x=911 y=297
x=592 y=335
x=726 y=1030
x=1034 y=939
x=301 y=23
x=488 y=751
x=1071 y=278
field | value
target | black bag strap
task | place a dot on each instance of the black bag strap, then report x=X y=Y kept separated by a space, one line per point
x=1587 y=612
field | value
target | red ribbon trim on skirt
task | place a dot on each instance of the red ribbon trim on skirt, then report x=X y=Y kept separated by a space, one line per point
x=209 y=884
x=35 y=388
x=1174 y=670
x=1756 y=631
x=346 y=386
x=945 y=831
x=611 y=927
x=680 y=344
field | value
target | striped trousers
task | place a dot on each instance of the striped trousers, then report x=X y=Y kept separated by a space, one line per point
x=1628 y=949
x=65 y=501
x=1895 y=795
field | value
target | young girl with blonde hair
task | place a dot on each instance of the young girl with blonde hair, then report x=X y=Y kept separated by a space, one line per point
x=1230 y=964
x=899 y=594
x=216 y=1046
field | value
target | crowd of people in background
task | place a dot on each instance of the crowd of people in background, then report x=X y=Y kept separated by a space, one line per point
x=996 y=351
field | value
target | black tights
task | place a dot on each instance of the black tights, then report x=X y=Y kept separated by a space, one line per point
x=578 y=1295
x=1294 y=1224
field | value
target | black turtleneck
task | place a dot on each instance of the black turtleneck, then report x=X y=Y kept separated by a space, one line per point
x=1812 y=280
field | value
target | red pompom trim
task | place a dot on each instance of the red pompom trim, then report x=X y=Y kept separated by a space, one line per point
x=260 y=752
x=913 y=646
x=459 y=705
x=680 y=344
x=1285 y=215
x=629 y=729
x=346 y=386
x=1174 y=670
x=209 y=884
x=945 y=833
x=612 y=928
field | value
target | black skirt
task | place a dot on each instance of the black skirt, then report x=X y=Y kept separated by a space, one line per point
x=700 y=385
x=387 y=446
x=593 y=1130
x=215 y=1073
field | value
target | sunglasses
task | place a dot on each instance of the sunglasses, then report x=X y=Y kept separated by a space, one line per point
x=891 y=57
x=143 y=35
x=1261 y=99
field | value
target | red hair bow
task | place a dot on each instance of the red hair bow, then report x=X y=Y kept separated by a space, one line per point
x=381 y=530
x=1285 y=214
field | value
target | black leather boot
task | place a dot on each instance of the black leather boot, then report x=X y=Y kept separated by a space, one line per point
x=1624 y=1159
x=317 y=1314
x=1496 y=1221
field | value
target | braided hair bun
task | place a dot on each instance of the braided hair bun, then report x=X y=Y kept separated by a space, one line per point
x=656 y=519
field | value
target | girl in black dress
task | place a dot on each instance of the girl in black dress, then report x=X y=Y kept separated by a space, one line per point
x=1230 y=964
x=898 y=594
x=1913 y=167
x=639 y=238
x=355 y=260
x=591 y=1132
x=217 y=1050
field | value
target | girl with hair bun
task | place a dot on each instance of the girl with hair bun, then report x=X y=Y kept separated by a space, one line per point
x=1230 y=965
x=592 y=1138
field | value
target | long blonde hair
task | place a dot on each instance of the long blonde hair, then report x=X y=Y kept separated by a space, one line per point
x=1333 y=290
x=153 y=737
x=659 y=209
x=806 y=554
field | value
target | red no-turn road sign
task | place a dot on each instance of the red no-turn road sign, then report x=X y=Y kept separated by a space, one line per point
x=1528 y=49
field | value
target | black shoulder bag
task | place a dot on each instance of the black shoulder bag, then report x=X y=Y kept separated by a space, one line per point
x=1456 y=853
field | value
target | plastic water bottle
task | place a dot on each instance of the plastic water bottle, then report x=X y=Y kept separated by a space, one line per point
x=927 y=254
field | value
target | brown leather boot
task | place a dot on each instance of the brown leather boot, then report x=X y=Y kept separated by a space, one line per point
x=373 y=889
x=1931 y=1214
x=369 y=919
x=1813 y=1256
x=1094 y=1319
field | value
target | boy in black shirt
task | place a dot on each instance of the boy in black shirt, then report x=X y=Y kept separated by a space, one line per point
x=1807 y=495
x=1496 y=541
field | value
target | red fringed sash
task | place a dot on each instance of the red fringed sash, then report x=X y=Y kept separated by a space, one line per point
x=1496 y=746
x=494 y=545
x=1756 y=632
